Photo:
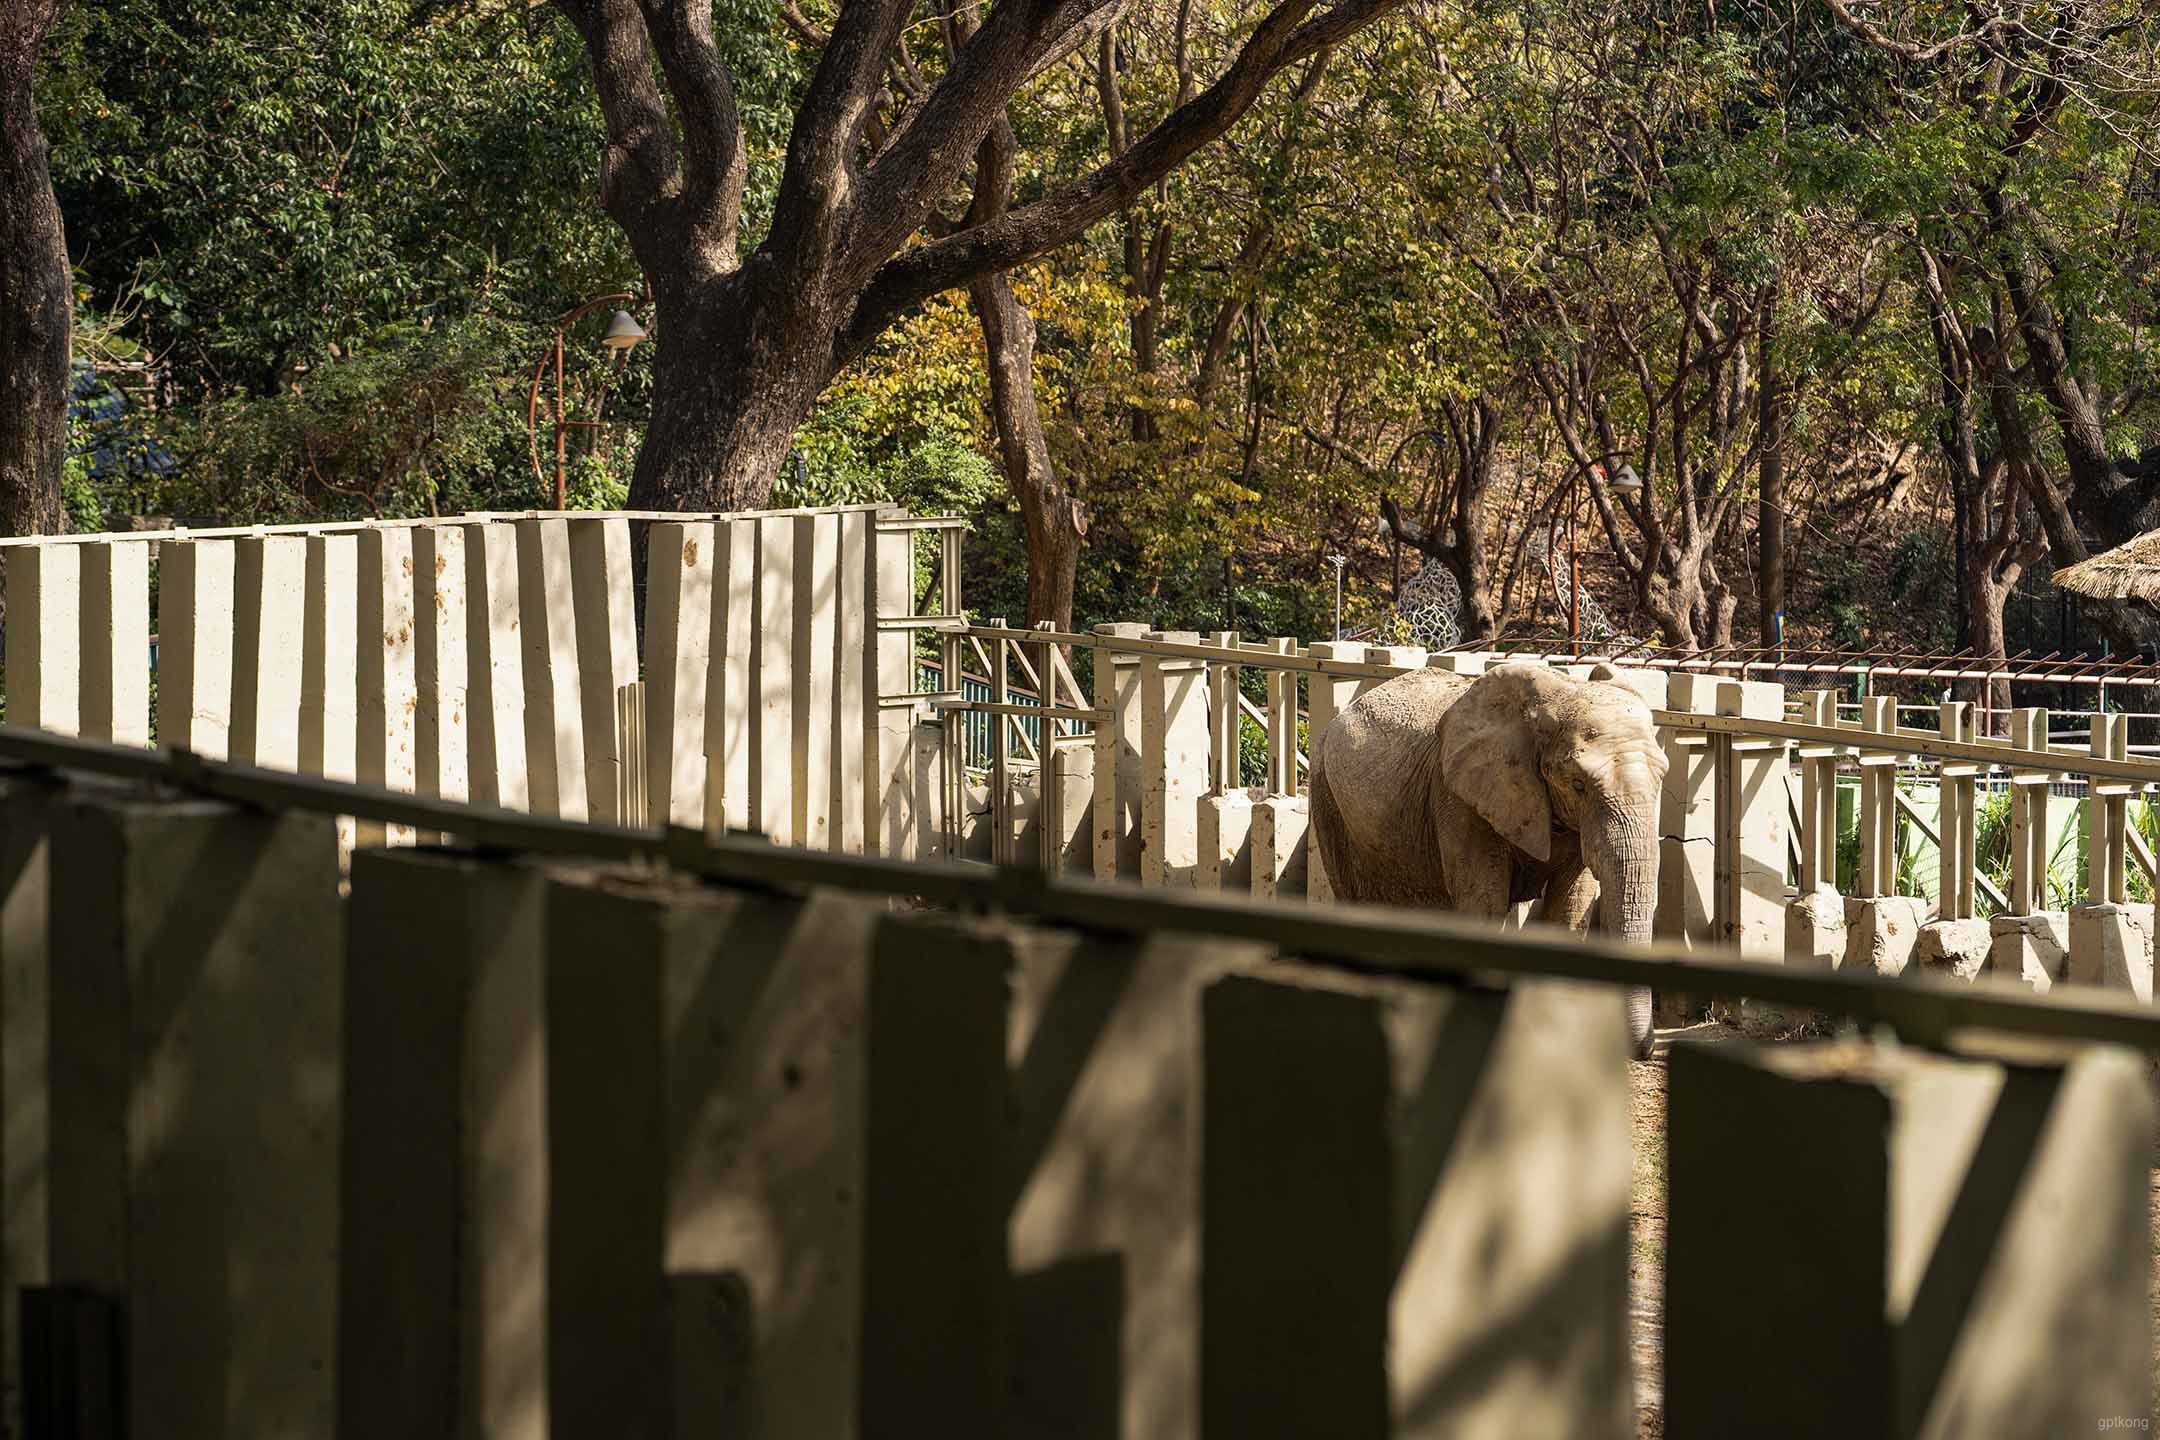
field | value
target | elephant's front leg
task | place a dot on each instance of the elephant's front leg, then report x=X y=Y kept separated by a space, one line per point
x=1570 y=897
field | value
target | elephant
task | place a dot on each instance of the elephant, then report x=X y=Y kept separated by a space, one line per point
x=1479 y=793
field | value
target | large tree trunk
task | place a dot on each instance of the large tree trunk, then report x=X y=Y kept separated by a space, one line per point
x=36 y=309
x=1052 y=518
x=732 y=380
x=1771 y=512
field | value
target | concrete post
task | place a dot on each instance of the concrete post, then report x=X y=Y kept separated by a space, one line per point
x=116 y=643
x=730 y=702
x=195 y=654
x=442 y=1303
x=1956 y=819
x=1972 y=1214
x=1325 y=698
x=1174 y=762
x=1754 y=841
x=2107 y=817
x=1278 y=847
x=889 y=749
x=44 y=630
x=1440 y=1177
x=1818 y=800
x=442 y=667
x=2028 y=817
x=817 y=572
x=1402 y=657
x=772 y=684
x=1687 y=821
x=388 y=686
x=1877 y=873
x=194 y=1114
x=1070 y=810
x=1282 y=713
x=1225 y=844
x=1119 y=770
x=554 y=717
x=678 y=639
x=1104 y=1188
x=1226 y=721
x=607 y=659
x=495 y=668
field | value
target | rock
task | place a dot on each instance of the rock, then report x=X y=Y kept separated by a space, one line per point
x=1958 y=948
x=1881 y=932
x=1815 y=929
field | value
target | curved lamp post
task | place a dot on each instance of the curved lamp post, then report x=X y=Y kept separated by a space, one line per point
x=623 y=332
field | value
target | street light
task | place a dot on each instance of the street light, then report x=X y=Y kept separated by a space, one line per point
x=1626 y=482
x=623 y=332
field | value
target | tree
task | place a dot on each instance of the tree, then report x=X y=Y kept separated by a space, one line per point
x=747 y=341
x=36 y=290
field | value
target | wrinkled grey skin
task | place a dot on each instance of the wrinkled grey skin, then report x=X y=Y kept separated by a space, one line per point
x=1480 y=793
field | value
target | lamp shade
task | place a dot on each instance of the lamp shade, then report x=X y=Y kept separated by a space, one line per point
x=622 y=332
x=1625 y=482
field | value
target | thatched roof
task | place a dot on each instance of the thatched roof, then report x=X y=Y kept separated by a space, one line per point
x=2131 y=571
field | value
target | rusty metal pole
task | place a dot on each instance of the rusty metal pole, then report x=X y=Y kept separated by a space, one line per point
x=1574 y=575
x=562 y=482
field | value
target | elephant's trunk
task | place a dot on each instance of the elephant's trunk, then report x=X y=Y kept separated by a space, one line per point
x=1622 y=850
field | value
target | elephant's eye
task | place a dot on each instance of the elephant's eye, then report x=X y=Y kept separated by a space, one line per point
x=1581 y=788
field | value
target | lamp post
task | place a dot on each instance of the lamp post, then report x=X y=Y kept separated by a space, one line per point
x=1338 y=561
x=1627 y=482
x=623 y=332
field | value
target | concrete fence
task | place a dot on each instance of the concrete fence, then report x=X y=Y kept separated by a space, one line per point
x=774 y=690
x=583 y=1130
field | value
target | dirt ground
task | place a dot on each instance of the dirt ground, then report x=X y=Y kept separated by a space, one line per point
x=1646 y=1298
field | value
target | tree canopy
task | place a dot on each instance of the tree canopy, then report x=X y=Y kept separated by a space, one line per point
x=1180 y=297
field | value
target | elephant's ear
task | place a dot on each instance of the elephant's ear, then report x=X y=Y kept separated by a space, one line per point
x=1489 y=757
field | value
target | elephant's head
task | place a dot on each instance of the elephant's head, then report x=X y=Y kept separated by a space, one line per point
x=1533 y=750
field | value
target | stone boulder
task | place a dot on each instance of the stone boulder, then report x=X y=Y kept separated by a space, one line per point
x=1815 y=929
x=1957 y=948
x=1882 y=931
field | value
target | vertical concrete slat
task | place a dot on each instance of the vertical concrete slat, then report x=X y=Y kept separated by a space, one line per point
x=1926 y=1263
x=442 y=1285
x=815 y=645
x=269 y=623
x=607 y=659
x=194 y=1107
x=728 y=696
x=1104 y=1185
x=44 y=637
x=1279 y=847
x=1174 y=755
x=195 y=646
x=387 y=689
x=1444 y=1178
x=772 y=684
x=116 y=643
x=442 y=663
x=891 y=823
x=854 y=710
x=554 y=717
x=27 y=803
x=495 y=668
x=678 y=639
